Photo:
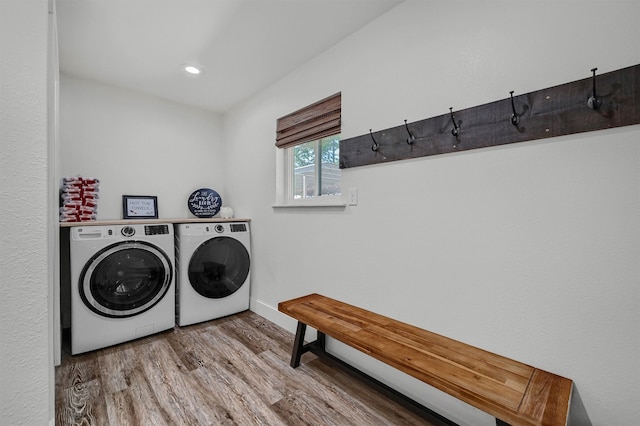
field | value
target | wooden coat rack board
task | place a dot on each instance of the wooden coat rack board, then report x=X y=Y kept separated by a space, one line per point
x=601 y=102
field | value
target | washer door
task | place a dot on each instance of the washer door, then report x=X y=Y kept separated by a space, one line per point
x=125 y=279
x=219 y=267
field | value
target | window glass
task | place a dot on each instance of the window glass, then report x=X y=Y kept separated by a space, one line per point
x=330 y=171
x=315 y=168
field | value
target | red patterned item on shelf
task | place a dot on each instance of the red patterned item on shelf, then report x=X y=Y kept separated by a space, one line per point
x=79 y=197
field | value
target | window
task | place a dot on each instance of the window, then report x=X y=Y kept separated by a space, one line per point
x=310 y=147
x=313 y=168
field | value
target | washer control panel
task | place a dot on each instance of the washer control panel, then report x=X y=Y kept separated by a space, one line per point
x=130 y=230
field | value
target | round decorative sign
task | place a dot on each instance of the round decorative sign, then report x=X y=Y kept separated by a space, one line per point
x=204 y=202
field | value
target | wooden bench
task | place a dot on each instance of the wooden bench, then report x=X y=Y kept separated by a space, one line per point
x=512 y=392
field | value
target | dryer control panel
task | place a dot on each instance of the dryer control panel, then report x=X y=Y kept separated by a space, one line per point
x=238 y=227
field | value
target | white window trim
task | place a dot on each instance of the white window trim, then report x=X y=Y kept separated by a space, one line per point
x=283 y=185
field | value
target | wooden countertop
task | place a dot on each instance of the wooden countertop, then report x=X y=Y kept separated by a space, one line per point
x=150 y=221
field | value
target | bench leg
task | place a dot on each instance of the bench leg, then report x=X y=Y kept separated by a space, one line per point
x=320 y=342
x=298 y=345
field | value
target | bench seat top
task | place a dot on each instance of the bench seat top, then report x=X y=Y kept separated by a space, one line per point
x=509 y=390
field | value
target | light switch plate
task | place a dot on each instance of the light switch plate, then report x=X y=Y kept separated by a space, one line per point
x=353 y=196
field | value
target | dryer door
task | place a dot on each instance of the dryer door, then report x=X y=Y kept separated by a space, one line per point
x=125 y=279
x=219 y=267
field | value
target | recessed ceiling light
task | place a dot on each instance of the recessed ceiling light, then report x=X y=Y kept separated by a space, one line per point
x=192 y=69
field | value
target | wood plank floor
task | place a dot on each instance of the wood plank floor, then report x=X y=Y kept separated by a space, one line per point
x=230 y=371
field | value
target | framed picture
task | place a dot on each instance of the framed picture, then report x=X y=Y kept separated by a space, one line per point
x=139 y=207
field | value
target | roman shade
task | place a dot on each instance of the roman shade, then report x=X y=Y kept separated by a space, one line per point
x=310 y=123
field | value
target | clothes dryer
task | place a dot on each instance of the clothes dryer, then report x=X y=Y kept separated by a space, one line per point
x=122 y=283
x=213 y=262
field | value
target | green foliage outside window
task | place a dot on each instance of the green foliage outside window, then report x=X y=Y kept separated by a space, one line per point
x=313 y=176
x=305 y=154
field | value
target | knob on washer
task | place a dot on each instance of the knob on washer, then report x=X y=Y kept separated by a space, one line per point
x=128 y=231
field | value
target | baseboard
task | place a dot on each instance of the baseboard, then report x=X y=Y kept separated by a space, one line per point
x=272 y=314
x=275 y=316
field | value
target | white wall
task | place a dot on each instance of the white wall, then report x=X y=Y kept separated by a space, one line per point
x=26 y=363
x=138 y=145
x=528 y=250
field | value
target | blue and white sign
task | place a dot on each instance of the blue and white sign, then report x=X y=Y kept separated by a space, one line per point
x=204 y=202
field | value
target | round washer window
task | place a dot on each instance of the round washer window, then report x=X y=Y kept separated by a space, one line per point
x=219 y=267
x=125 y=279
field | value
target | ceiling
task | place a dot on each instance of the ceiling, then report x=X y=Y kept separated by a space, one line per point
x=242 y=45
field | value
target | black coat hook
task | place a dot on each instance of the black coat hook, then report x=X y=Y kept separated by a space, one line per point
x=456 y=130
x=375 y=145
x=594 y=102
x=411 y=138
x=515 y=119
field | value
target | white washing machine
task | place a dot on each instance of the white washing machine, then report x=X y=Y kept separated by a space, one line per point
x=122 y=283
x=213 y=262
